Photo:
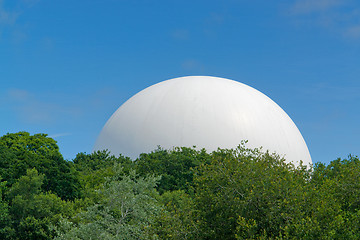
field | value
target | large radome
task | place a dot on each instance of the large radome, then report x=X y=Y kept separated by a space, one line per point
x=202 y=111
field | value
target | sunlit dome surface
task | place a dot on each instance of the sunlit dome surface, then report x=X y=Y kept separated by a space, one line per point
x=206 y=112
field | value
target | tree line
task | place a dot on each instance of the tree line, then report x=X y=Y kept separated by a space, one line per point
x=183 y=193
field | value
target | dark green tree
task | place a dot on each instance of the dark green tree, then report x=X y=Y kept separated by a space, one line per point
x=34 y=212
x=21 y=151
x=6 y=229
x=94 y=168
x=100 y=160
x=175 y=166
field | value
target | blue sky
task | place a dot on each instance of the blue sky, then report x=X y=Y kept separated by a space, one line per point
x=66 y=66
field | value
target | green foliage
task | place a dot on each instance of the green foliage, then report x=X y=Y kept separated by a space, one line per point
x=175 y=166
x=93 y=169
x=27 y=185
x=259 y=191
x=21 y=151
x=176 y=220
x=99 y=160
x=228 y=194
x=33 y=211
x=126 y=210
x=248 y=229
x=345 y=175
x=247 y=194
x=38 y=143
x=6 y=230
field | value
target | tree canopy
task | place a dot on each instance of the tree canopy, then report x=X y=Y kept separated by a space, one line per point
x=181 y=193
x=22 y=151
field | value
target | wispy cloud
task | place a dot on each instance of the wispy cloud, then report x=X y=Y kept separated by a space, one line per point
x=57 y=135
x=52 y=108
x=47 y=43
x=215 y=19
x=192 y=65
x=352 y=32
x=7 y=17
x=329 y=92
x=30 y=3
x=101 y=97
x=341 y=17
x=18 y=94
x=310 y=6
x=31 y=109
x=10 y=16
x=180 y=34
x=212 y=23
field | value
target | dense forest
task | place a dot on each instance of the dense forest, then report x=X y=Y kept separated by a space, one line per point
x=183 y=193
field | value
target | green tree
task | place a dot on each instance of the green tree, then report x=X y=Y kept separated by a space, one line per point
x=247 y=194
x=175 y=166
x=34 y=212
x=100 y=160
x=127 y=208
x=261 y=192
x=6 y=230
x=346 y=177
x=93 y=169
x=22 y=151
x=177 y=217
x=38 y=143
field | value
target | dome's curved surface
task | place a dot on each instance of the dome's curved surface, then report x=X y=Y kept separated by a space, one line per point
x=207 y=112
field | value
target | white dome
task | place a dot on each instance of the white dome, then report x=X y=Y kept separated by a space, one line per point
x=201 y=111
